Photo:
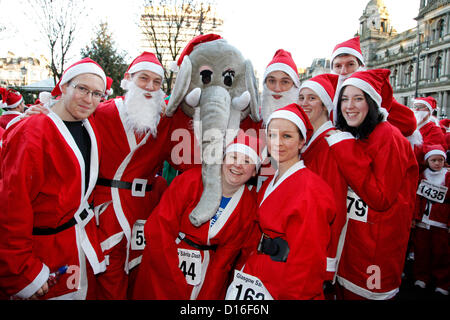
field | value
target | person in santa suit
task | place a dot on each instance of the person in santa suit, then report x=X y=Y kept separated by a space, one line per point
x=381 y=170
x=445 y=126
x=12 y=104
x=184 y=262
x=346 y=59
x=432 y=221
x=136 y=140
x=296 y=208
x=48 y=239
x=281 y=86
x=316 y=99
x=427 y=133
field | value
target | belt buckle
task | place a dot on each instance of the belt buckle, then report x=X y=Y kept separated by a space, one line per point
x=138 y=187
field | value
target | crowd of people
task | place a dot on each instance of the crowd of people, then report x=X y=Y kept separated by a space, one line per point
x=337 y=187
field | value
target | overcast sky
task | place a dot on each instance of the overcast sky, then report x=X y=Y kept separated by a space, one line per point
x=307 y=28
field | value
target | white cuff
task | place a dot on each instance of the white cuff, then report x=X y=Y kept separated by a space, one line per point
x=37 y=283
x=338 y=137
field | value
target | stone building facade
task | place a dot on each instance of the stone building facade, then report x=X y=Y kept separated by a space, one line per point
x=419 y=58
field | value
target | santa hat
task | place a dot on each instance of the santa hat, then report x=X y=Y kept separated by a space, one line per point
x=375 y=83
x=429 y=102
x=295 y=114
x=146 y=61
x=196 y=41
x=352 y=47
x=434 y=150
x=282 y=61
x=10 y=98
x=324 y=86
x=83 y=66
x=109 y=90
x=247 y=145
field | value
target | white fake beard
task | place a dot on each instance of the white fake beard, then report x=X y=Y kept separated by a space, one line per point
x=420 y=116
x=435 y=177
x=142 y=114
x=269 y=104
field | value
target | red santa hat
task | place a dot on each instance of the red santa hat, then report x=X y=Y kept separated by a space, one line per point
x=83 y=66
x=375 y=83
x=109 y=90
x=195 y=42
x=248 y=145
x=324 y=86
x=282 y=61
x=10 y=98
x=429 y=102
x=434 y=150
x=295 y=114
x=146 y=61
x=352 y=47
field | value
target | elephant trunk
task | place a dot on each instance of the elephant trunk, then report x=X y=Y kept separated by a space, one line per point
x=215 y=104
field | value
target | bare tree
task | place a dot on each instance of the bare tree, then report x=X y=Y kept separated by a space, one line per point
x=168 y=25
x=58 y=21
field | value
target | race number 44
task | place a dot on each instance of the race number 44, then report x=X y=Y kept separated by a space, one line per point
x=190 y=263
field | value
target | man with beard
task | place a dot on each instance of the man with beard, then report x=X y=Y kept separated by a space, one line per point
x=347 y=59
x=427 y=133
x=281 y=86
x=135 y=142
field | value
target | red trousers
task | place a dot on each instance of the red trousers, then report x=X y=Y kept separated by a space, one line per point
x=432 y=256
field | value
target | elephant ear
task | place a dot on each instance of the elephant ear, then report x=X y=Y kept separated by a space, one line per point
x=181 y=86
x=252 y=87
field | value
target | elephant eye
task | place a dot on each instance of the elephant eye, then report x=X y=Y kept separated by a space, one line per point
x=206 y=76
x=228 y=77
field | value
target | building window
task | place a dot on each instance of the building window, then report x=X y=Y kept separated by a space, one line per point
x=438 y=67
x=394 y=78
x=440 y=28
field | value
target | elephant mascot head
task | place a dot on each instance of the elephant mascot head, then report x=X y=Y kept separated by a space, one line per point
x=217 y=87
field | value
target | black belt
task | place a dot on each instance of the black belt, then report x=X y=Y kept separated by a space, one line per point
x=277 y=248
x=196 y=245
x=122 y=184
x=64 y=226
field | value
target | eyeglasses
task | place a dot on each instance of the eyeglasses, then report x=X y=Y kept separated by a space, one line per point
x=83 y=91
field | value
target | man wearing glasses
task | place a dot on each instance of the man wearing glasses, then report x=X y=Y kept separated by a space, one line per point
x=49 y=246
x=135 y=142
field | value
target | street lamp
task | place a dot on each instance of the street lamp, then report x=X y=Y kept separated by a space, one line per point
x=419 y=50
x=24 y=70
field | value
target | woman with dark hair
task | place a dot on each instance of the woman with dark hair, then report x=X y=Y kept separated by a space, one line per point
x=381 y=171
x=296 y=208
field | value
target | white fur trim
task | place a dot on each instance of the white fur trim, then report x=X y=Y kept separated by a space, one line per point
x=364 y=86
x=149 y=66
x=321 y=92
x=81 y=69
x=331 y=264
x=285 y=68
x=338 y=137
x=12 y=106
x=366 y=293
x=416 y=102
x=288 y=115
x=242 y=148
x=347 y=50
x=36 y=284
x=435 y=153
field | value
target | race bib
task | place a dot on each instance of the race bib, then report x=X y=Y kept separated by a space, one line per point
x=247 y=287
x=137 y=235
x=190 y=263
x=432 y=192
x=356 y=208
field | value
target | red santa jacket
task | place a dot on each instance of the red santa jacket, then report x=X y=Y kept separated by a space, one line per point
x=43 y=185
x=128 y=158
x=299 y=209
x=160 y=275
x=318 y=157
x=434 y=213
x=7 y=116
x=382 y=173
x=402 y=118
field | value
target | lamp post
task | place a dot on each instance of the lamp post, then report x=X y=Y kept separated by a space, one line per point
x=419 y=50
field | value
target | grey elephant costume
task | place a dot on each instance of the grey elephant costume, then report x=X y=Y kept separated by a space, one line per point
x=216 y=86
